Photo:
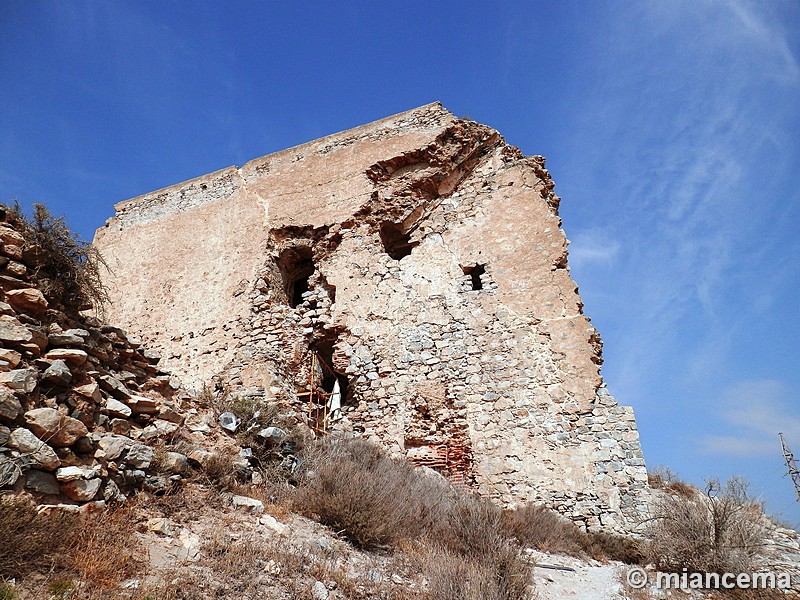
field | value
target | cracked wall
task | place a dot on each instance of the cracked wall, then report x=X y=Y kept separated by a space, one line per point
x=423 y=259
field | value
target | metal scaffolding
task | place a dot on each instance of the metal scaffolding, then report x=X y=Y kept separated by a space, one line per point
x=323 y=407
x=791 y=465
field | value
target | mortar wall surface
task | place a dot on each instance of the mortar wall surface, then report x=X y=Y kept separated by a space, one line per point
x=436 y=288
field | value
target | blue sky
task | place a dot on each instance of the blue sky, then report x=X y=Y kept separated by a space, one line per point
x=671 y=129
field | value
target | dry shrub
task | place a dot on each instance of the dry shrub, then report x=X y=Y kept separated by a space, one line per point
x=720 y=531
x=98 y=549
x=611 y=546
x=471 y=527
x=186 y=502
x=454 y=577
x=206 y=398
x=544 y=529
x=221 y=472
x=276 y=492
x=239 y=559
x=664 y=478
x=70 y=269
x=103 y=550
x=472 y=556
x=547 y=531
x=28 y=540
x=159 y=460
x=372 y=499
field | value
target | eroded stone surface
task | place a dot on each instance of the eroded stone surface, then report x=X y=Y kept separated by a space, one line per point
x=419 y=261
x=27 y=299
x=57 y=429
x=81 y=490
x=33 y=448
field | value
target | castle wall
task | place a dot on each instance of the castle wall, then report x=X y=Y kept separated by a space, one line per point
x=436 y=291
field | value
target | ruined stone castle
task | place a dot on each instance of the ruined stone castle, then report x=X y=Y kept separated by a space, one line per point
x=405 y=281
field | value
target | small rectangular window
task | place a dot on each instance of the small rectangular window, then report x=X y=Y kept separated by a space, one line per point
x=474 y=273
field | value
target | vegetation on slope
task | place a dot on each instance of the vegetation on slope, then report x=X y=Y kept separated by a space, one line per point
x=69 y=269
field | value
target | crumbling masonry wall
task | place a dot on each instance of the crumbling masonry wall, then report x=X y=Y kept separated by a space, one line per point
x=420 y=261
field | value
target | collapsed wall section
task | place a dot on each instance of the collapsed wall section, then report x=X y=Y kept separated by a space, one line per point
x=182 y=259
x=412 y=271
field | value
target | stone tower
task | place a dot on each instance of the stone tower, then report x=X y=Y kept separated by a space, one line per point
x=415 y=266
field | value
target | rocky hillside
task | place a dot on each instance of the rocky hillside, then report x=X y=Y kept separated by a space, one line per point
x=82 y=406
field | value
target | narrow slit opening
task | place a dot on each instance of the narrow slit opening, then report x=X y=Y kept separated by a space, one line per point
x=474 y=272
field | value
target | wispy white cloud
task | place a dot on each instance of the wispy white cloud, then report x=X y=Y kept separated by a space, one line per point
x=753 y=413
x=737 y=447
x=593 y=246
x=689 y=130
x=770 y=35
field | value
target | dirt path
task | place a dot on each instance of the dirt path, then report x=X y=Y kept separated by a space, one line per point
x=587 y=581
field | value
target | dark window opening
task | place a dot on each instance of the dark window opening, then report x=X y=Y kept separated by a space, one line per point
x=296 y=266
x=396 y=241
x=324 y=347
x=475 y=273
x=298 y=288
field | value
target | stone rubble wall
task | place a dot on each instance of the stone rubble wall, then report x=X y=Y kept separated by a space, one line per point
x=385 y=225
x=83 y=407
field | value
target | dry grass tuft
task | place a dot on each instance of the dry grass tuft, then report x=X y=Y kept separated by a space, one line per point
x=611 y=546
x=89 y=552
x=472 y=557
x=221 y=472
x=30 y=541
x=103 y=550
x=471 y=527
x=547 y=531
x=503 y=576
x=185 y=502
x=664 y=478
x=276 y=492
x=544 y=529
